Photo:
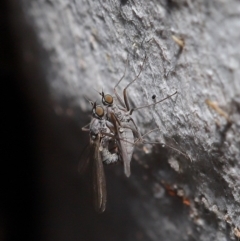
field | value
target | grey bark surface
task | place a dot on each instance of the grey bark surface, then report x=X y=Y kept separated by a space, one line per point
x=84 y=46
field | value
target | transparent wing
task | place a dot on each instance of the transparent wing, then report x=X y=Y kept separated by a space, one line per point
x=122 y=145
x=85 y=158
x=126 y=149
x=99 y=182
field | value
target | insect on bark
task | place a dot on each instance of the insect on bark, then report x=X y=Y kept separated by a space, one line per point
x=97 y=153
x=120 y=115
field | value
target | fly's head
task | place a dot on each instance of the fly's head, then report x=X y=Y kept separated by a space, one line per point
x=97 y=111
x=107 y=99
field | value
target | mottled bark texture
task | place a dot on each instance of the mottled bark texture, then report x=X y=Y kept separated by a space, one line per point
x=81 y=46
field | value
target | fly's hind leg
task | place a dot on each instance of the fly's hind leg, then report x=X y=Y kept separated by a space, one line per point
x=125 y=89
x=124 y=102
x=120 y=100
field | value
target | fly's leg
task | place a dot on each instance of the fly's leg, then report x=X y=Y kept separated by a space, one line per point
x=144 y=106
x=125 y=89
x=115 y=92
x=141 y=140
x=125 y=103
x=136 y=129
x=86 y=129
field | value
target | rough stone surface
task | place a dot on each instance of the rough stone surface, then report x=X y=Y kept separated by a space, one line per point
x=168 y=197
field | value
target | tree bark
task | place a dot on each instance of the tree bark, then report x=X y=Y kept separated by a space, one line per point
x=192 y=48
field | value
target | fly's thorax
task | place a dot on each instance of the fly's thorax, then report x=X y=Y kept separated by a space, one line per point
x=103 y=127
x=94 y=128
x=116 y=111
x=120 y=114
x=98 y=126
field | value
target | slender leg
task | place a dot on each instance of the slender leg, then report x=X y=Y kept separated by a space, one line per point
x=141 y=107
x=141 y=140
x=84 y=128
x=115 y=92
x=125 y=103
x=125 y=89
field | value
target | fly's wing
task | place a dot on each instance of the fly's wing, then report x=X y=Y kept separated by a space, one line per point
x=99 y=182
x=88 y=151
x=85 y=158
x=123 y=146
x=126 y=143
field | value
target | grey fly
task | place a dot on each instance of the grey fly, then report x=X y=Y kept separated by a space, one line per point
x=120 y=115
x=97 y=153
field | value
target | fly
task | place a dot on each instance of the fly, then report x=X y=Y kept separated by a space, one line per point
x=97 y=153
x=120 y=115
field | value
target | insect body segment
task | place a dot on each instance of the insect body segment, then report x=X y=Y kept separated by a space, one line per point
x=109 y=158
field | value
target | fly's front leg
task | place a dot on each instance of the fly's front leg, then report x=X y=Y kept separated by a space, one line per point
x=86 y=129
x=149 y=105
x=120 y=100
x=125 y=89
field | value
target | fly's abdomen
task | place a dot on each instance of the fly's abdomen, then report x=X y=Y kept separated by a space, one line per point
x=109 y=158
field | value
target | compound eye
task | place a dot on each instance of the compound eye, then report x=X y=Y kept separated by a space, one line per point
x=99 y=111
x=108 y=99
